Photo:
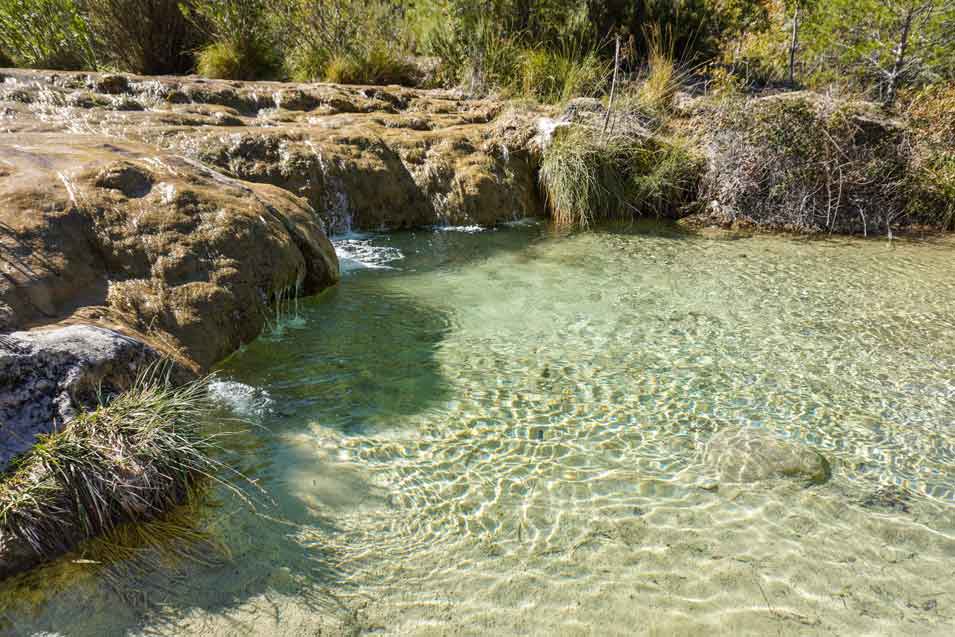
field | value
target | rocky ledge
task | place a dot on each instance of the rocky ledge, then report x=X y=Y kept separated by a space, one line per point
x=172 y=213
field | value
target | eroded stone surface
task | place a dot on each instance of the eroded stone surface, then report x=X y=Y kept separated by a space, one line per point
x=102 y=231
x=363 y=157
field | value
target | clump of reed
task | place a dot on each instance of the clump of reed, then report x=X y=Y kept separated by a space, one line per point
x=588 y=174
x=553 y=76
x=135 y=457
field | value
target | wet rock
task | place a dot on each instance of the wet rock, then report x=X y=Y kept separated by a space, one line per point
x=46 y=376
x=126 y=178
x=752 y=455
x=363 y=157
x=111 y=232
x=582 y=109
x=111 y=84
x=889 y=497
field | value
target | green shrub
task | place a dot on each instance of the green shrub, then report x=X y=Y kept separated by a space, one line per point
x=557 y=76
x=587 y=176
x=241 y=47
x=376 y=66
x=346 y=42
x=5 y=62
x=45 y=34
x=151 y=37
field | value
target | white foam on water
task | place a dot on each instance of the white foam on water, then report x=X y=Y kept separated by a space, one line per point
x=466 y=229
x=523 y=221
x=244 y=400
x=357 y=252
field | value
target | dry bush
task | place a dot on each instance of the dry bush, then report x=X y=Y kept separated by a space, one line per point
x=805 y=162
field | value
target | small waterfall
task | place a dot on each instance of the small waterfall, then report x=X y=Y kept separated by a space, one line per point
x=334 y=197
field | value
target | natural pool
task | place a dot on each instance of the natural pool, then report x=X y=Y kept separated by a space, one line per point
x=503 y=433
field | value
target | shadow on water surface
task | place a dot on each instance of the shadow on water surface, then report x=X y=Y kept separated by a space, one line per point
x=360 y=357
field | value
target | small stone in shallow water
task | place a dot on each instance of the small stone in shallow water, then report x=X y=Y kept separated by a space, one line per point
x=889 y=497
x=751 y=455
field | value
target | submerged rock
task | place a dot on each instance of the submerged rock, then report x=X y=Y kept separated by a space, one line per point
x=751 y=455
x=46 y=376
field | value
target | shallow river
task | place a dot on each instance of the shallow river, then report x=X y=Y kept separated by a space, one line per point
x=502 y=433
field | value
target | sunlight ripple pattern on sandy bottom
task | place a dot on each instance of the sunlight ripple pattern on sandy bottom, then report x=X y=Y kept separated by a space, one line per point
x=506 y=437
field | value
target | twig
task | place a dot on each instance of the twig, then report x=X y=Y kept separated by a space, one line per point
x=613 y=85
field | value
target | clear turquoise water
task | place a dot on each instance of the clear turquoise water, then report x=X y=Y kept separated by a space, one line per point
x=502 y=432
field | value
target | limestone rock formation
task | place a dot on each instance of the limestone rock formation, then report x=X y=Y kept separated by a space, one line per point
x=97 y=230
x=365 y=158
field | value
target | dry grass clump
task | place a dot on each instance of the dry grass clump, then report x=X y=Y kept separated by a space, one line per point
x=662 y=78
x=135 y=457
x=931 y=117
x=807 y=163
x=587 y=176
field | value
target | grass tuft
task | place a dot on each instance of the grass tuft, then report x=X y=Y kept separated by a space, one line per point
x=587 y=176
x=224 y=60
x=557 y=76
x=132 y=459
x=376 y=65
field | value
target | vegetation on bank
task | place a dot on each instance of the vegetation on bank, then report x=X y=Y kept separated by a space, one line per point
x=135 y=457
x=542 y=48
x=587 y=175
x=931 y=177
x=805 y=164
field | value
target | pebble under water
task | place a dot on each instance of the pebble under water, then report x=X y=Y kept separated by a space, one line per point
x=505 y=433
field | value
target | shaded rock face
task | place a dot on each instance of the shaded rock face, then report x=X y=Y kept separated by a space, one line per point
x=47 y=375
x=363 y=157
x=751 y=455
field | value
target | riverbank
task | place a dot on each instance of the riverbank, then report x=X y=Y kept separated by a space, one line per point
x=148 y=217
